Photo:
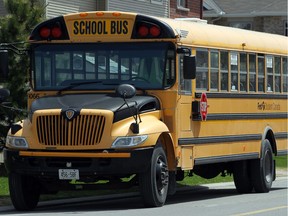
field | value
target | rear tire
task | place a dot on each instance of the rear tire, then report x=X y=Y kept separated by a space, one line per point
x=241 y=177
x=263 y=169
x=155 y=180
x=24 y=191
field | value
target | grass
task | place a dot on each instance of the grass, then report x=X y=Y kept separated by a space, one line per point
x=281 y=163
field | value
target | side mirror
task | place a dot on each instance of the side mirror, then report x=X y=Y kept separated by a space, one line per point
x=3 y=64
x=189 y=67
x=126 y=91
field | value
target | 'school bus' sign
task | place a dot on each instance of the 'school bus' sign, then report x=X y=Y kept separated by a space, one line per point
x=101 y=27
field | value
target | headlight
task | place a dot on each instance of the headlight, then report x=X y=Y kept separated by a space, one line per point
x=16 y=142
x=122 y=142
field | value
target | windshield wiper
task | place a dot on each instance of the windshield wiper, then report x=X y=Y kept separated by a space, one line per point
x=76 y=84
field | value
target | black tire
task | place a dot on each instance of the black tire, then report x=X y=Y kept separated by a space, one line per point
x=24 y=191
x=263 y=169
x=172 y=183
x=155 y=180
x=241 y=177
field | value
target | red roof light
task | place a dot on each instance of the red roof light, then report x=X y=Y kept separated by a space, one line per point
x=143 y=31
x=45 y=32
x=155 y=31
x=56 y=32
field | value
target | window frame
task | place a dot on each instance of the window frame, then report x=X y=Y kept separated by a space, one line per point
x=182 y=5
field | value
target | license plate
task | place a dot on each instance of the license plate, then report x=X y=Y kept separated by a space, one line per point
x=68 y=174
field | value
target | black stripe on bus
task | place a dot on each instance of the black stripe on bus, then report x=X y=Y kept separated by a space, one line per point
x=282 y=152
x=242 y=116
x=281 y=135
x=226 y=158
x=241 y=95
x=219 y=139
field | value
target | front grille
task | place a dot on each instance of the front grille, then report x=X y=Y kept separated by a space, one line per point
x=55 y=130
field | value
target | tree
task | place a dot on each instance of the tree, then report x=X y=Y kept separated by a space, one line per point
x=23 y=16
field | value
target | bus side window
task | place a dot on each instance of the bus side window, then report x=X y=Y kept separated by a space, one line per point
x=224 y=70
x=234 y=71
x=252 y=72
x=277 y=72
x=185 y=86
x=202 y=69
x=243 y=72
x=261 y=72
x=269 y=68
x=285 y=74
x=214 y=65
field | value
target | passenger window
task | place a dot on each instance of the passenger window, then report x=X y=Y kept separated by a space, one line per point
x=224 y=70
x=269 y=68
x=234 y=71
x=202 y=69
x=261 y=71
x=214 y=62
x=252 y=72
x=285 y=74
x=277 y=61
x=243 y=72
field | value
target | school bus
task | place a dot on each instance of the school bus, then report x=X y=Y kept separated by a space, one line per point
x=126 y=99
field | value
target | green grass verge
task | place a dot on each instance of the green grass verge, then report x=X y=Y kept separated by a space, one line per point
x=281 y=163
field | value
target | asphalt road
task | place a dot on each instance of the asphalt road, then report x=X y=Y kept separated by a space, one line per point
x=214 y=199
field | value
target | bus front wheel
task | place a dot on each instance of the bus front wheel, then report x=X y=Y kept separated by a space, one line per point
x=24 y=191
x=154 y=181
x=262 y=170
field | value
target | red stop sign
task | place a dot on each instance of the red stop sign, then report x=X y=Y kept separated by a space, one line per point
x=203 y=106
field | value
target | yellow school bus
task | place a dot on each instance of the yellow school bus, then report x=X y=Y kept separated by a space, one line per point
x=117 y=96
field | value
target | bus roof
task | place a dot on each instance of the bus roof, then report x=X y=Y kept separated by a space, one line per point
x=108 y=26
x=214 y=36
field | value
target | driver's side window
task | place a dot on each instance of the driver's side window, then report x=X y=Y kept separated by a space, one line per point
x=185 y=86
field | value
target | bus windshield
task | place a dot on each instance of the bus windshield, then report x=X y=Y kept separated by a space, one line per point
x=103 y=66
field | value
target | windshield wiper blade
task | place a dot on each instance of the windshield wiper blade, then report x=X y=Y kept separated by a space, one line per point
x=76 y=84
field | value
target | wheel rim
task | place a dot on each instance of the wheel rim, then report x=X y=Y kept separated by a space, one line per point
x=268 y=167
x=161 y=175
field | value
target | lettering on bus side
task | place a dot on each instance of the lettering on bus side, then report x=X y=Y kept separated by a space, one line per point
x=268 y=106
x=117 y=27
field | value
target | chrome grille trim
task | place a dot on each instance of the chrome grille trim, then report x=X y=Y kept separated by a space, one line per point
x=84 y=130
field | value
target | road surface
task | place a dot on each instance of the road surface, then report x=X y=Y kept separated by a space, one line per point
x=214 y=199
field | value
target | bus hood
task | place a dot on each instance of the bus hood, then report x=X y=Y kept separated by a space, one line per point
x=97 y=101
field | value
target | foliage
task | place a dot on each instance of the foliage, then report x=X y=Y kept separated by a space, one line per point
x=15 y=27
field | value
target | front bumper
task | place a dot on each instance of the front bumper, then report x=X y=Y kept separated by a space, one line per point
x=47 y=164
